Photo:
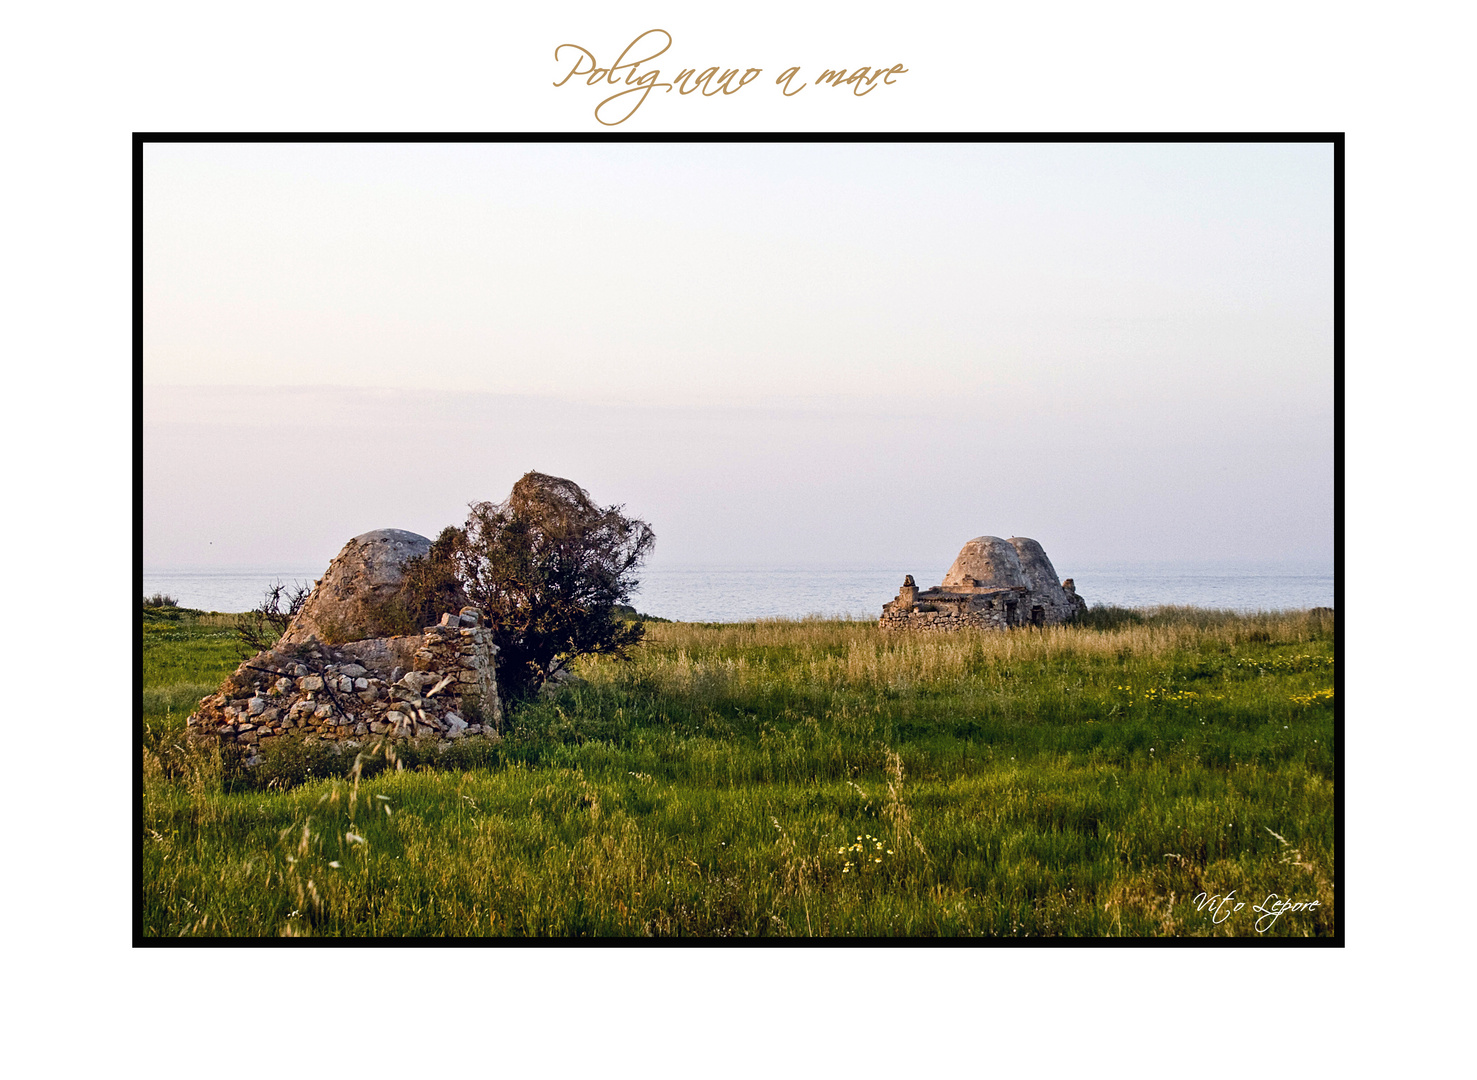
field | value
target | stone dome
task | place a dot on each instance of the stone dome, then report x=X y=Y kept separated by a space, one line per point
x=1040 y=575
x=361 y=578
x=989 y=562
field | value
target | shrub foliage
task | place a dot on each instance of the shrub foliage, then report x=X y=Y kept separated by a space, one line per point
x=429 y=587
x=549 y=568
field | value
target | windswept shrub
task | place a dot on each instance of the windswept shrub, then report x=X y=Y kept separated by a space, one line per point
x=548 y=567
x=263 y=625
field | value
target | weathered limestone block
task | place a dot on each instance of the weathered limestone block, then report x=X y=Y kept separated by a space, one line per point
x=383 y=654
x=1069 y=587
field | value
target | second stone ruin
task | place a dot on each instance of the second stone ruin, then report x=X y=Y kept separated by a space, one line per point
x=995 y=584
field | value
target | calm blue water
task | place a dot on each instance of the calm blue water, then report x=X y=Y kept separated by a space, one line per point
x=734 y=595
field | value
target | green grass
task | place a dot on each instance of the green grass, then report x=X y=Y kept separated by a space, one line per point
x=186 y=655
x=1087 y=781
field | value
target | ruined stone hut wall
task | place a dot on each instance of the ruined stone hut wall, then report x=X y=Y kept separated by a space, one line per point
x=315 y=690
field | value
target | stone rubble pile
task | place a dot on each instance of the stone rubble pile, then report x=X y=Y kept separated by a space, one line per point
x=361 y=690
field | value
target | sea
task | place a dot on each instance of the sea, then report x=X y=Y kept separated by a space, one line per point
x=729 y=594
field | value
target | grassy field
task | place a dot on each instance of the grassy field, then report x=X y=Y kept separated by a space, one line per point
x=789 y=779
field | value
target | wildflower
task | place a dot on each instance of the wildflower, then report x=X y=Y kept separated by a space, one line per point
x=353 y=838
x=334 y=865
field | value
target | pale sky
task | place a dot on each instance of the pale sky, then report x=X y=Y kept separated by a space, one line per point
x=778 y=354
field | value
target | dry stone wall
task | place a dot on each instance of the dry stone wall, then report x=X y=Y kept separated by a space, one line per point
x=440 y=683
x=942 y=615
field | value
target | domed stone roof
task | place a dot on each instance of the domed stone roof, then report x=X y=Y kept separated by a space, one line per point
x=986 y=561
x=1040 y=575
x=362 y=577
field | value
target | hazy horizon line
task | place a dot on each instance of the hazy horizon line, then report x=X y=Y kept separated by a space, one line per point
x=909 y=403
x=1310 y=567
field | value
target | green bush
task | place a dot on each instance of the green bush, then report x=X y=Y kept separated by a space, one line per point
x=1108 y=617
x=288 y=761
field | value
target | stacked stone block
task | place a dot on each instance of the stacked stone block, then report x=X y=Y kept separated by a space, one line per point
x=941 y=617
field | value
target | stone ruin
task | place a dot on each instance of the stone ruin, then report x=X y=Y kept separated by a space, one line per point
x=441 y=682
x=362 y=578
x=994 y=584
